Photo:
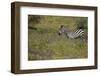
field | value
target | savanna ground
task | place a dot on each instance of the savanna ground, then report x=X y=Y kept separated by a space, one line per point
x=44 y=43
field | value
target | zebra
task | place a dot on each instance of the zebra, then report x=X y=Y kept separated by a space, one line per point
x=71 y=34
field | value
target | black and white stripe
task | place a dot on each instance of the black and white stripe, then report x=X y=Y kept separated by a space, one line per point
x=71 y=34
x=76 y=34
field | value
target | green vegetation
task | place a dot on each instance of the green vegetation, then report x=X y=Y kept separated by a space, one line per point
x=44 y=42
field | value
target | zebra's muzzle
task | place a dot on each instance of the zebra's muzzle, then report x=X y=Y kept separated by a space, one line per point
x=59 y=33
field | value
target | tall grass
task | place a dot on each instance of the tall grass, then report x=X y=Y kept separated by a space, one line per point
x=44 y=43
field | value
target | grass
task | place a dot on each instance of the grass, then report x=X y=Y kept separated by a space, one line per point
x=44 y=43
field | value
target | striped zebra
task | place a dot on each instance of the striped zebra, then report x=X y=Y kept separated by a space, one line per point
x=71 y=34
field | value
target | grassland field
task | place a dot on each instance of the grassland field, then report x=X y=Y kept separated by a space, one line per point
x=44 y=43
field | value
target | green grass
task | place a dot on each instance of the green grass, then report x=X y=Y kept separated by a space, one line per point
x=45 y=43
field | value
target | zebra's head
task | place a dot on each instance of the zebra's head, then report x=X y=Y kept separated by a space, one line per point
x=63 y=30
x=60 y=29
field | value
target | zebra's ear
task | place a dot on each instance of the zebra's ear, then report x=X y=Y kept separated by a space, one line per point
x=61 y=26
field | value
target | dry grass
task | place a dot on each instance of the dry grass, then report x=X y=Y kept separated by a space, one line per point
x=44 y=43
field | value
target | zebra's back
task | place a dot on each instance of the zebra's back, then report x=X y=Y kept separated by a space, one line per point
x=75 y=34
